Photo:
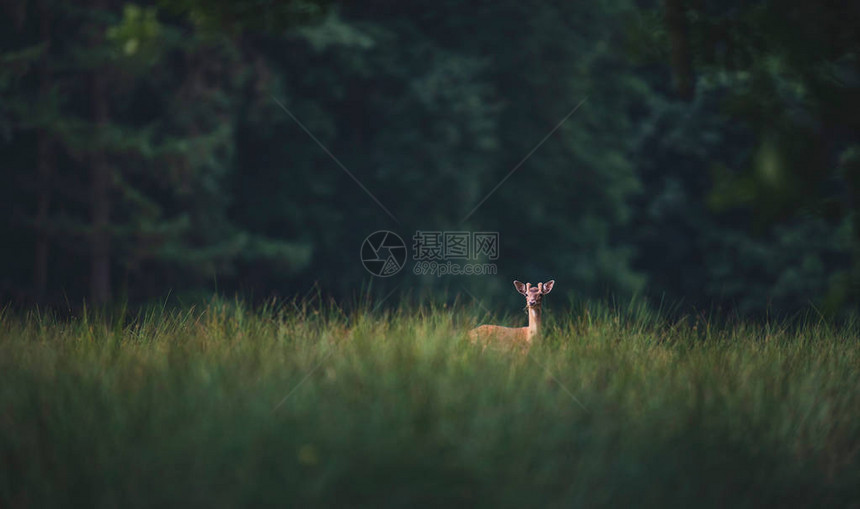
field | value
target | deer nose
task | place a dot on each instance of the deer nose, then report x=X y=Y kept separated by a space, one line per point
x=532 y=302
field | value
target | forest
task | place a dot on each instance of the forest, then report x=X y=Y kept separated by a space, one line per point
x=259 y=253
x=704 y=156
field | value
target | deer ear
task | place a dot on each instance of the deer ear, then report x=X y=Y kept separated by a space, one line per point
x=547 y=287
x=521 y=287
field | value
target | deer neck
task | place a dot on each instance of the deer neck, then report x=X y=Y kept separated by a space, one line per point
x=533 y=330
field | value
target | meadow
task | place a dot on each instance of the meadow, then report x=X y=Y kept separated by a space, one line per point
x=287 y=404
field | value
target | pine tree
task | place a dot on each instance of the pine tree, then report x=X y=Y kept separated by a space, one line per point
x=146 y=151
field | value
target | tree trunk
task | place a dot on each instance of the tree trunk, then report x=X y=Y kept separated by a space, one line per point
x=100 y=184
x=43 y=205
x=44 y=167
x=682 y=66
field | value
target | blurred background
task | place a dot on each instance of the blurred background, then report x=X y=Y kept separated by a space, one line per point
x=176 y=148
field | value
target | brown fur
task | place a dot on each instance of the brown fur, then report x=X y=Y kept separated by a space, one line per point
x=516 y=337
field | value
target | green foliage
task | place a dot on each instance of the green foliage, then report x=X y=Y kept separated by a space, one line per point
x=298 y=404
x=744 y=215
x=168 y=141
x=790 y=74
x=431 y=124
x=136 y=35
x=741 y=195
x=218 y=16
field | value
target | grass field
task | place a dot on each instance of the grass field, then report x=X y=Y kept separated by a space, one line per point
x=223 y=406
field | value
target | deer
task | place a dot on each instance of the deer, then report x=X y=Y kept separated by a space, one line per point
x=522 y=337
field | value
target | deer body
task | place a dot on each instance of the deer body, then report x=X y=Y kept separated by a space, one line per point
x=521 y=337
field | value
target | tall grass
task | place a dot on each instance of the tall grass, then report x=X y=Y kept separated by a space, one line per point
x=224 y=406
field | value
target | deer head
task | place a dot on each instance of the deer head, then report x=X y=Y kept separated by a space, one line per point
x=534 y=294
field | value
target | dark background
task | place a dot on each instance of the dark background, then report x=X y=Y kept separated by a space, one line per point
x=714 y=164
